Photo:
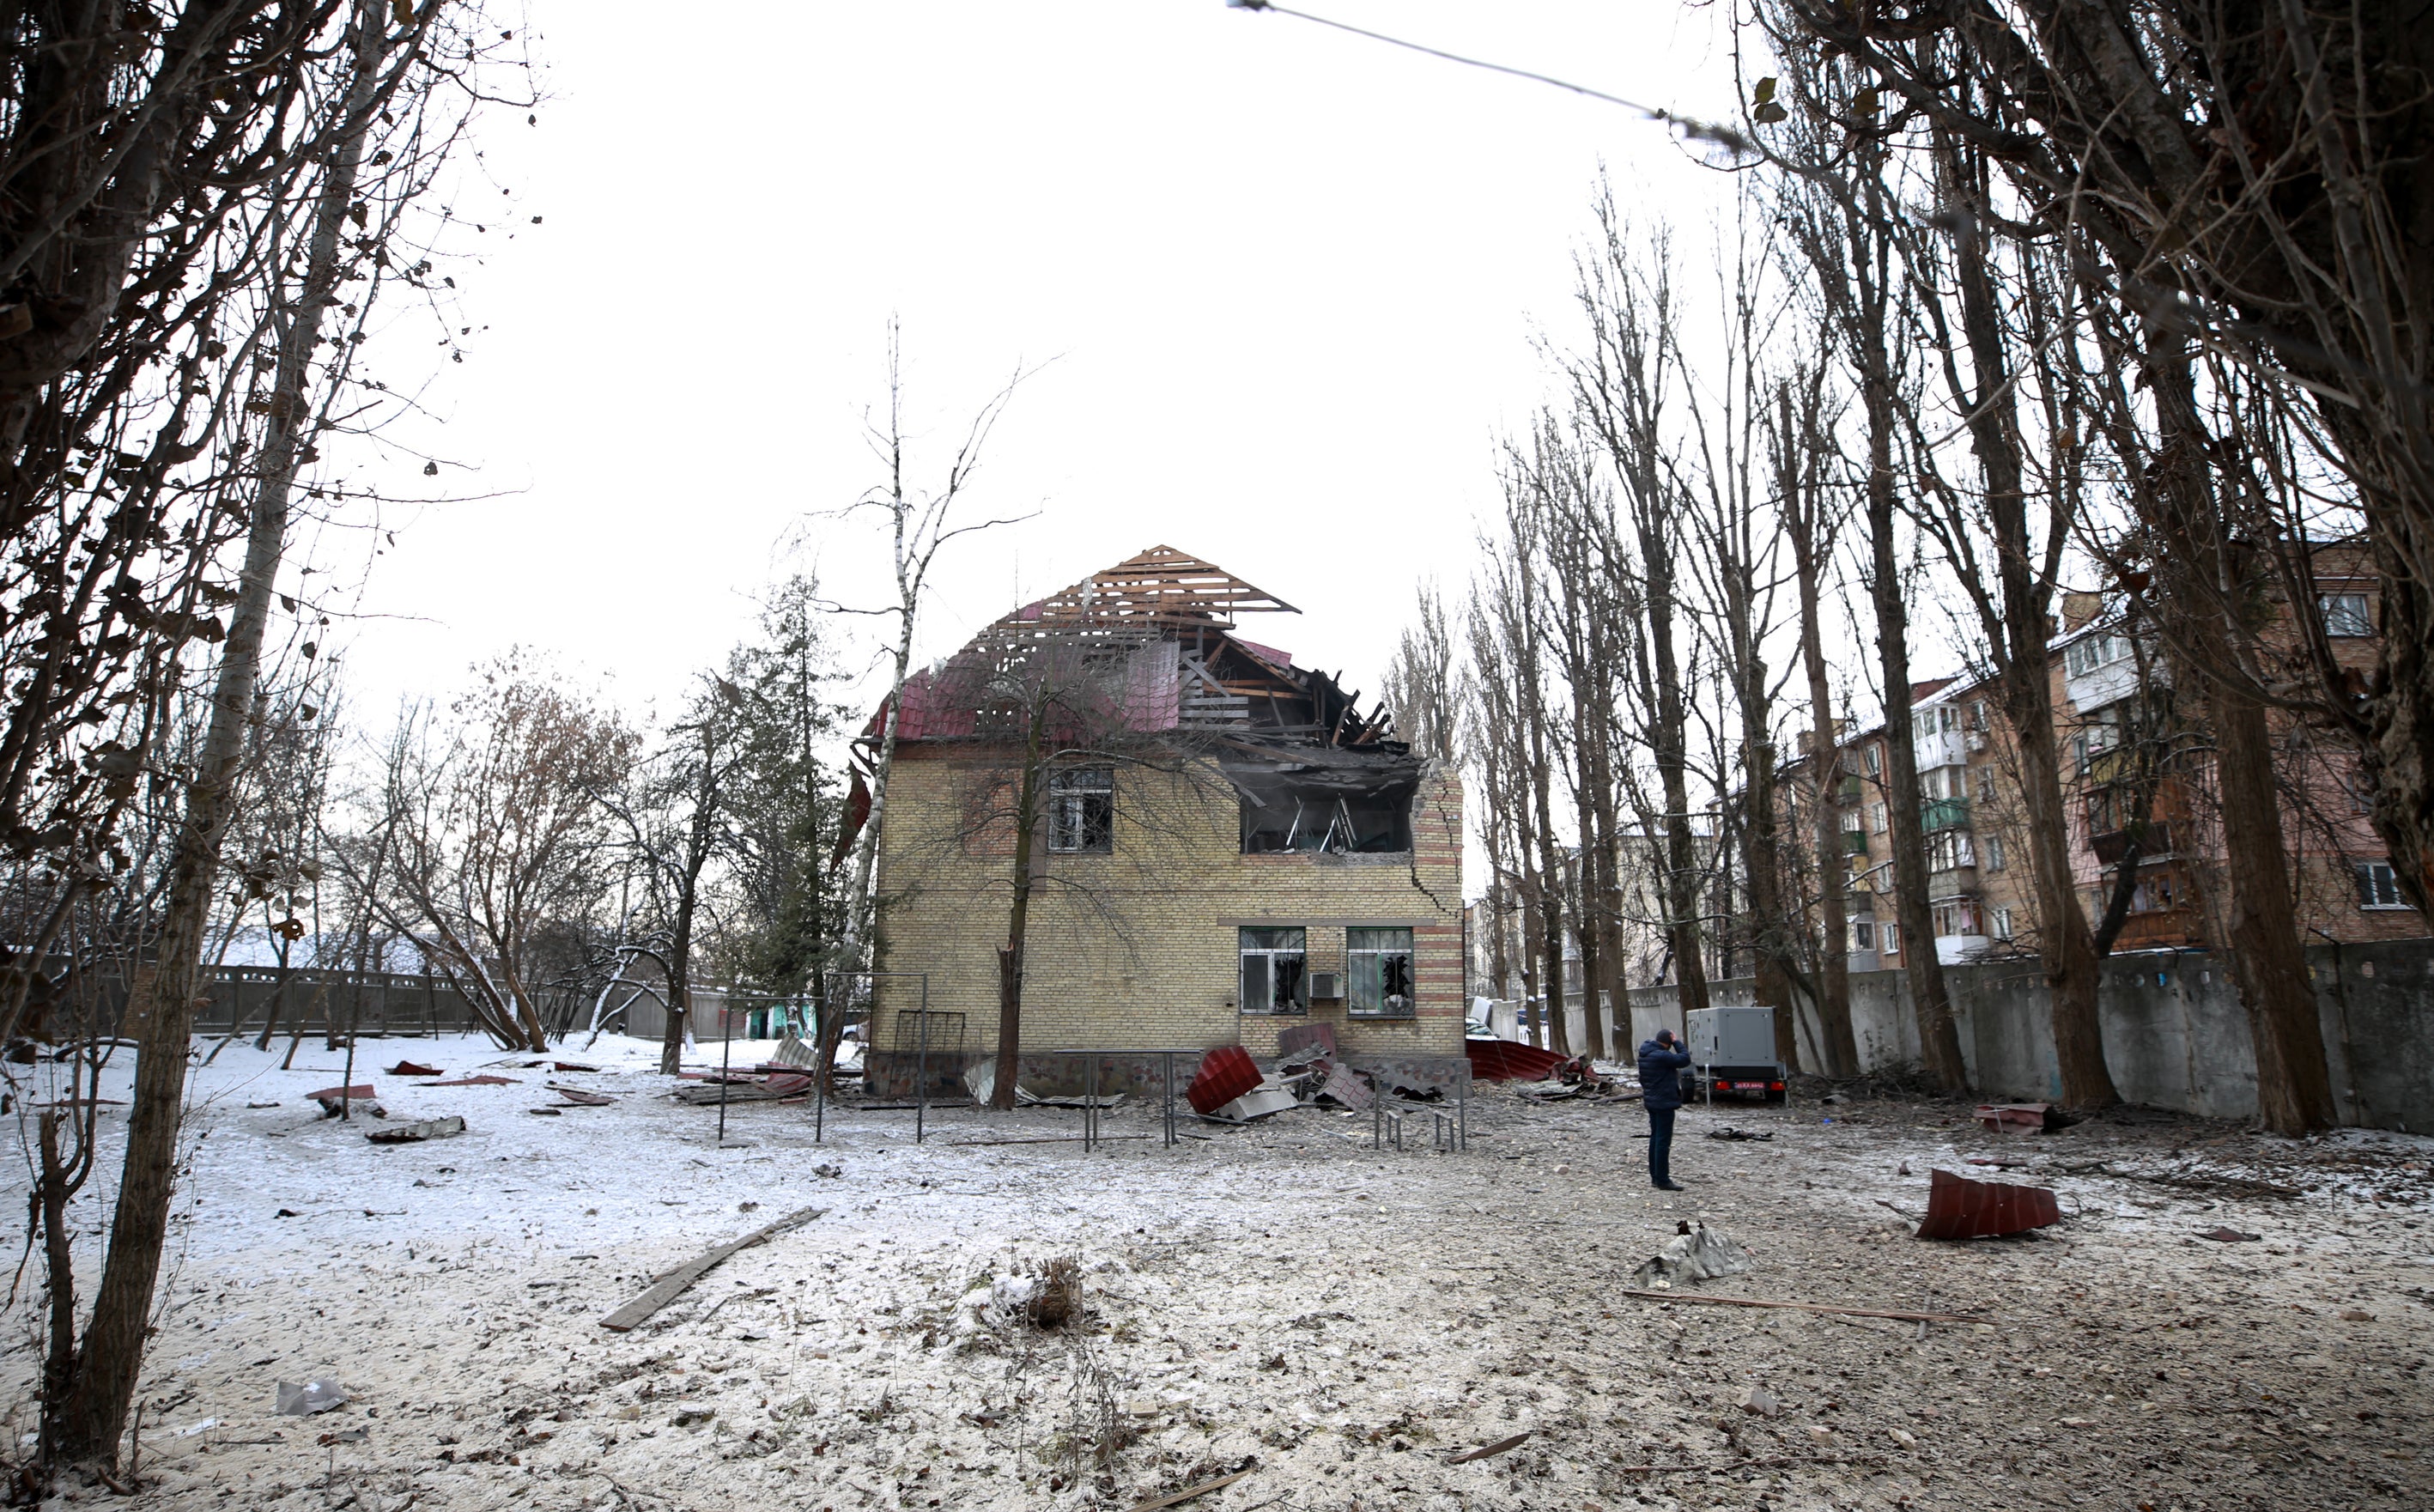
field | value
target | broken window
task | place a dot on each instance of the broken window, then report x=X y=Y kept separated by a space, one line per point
x=1379 y=963
x=1082 y=808
x=1332 y=803
x=1275 y=970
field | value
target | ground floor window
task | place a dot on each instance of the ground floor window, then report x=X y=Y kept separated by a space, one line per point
x=1379 y=963
x=1275 y=970
x=1863 y=933
x=2002 y=924
x=1889 y=939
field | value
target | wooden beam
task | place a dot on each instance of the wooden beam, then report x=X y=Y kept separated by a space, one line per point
x=672 y=1285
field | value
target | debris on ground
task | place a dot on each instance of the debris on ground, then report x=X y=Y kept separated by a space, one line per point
x=1728 y=1132
x=301 y=1398
x=415 y=1133
x=475 y=1081
x=1695 y=1253
x=1225 y=1072
x=672 y=1285
x=334 y=1099
x=409 y=1068
x=1510 y=1061
x=1957 y=1208
x=2229 y=1236
x=1491 y=1450
x=743 y=1089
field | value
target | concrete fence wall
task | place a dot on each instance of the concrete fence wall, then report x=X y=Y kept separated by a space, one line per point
x=2175 y=1034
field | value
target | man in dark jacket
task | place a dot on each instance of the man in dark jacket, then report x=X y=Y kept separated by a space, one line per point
x=1662 y=1061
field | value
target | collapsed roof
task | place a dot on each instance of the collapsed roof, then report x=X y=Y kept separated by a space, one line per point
x=1171 y=616
x=1315 y=771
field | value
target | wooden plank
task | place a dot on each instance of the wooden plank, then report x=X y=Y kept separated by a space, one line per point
x=1187 y=1493
x=672 y=1285
x=1491 y=1450
x=1803 y=1307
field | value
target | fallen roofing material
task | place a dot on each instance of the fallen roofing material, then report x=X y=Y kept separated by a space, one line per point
x=430 y=1128
x=1957 y=1208
x=738 y=1090
x=1510 y=1061
x=2014 y=1118
x=1225 y=1072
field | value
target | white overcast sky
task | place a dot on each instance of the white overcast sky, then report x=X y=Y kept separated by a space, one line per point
x=1285 y=283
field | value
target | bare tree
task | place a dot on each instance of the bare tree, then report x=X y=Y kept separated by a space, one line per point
x=920 y=524
x=499 y=835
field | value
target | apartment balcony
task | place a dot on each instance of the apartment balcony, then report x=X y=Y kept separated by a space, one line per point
x=1951 y=880
x=2164 y=929
x=1854 y=842
x=2110 y=846
x=1944 y=814
x=1847 y=791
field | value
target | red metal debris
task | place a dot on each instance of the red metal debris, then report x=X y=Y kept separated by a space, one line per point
x=351 y=1095
x=1510 y=1061
x=2011 y=1117
x=1957 y=1208
x=1225 y=1072
x=408 y=1068
x=1305 y=1036
x=1346 y=1087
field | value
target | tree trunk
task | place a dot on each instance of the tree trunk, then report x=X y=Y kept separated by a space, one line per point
x=2023 y=662
x=1939 y=1036
x=89 y=1423
x=1009 y=959
x=1836 y=1042
x=2293 y=1083
x=2294 y=1091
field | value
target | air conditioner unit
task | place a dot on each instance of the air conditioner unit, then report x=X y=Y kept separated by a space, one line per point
x=1977 y=740
x=1326 y=984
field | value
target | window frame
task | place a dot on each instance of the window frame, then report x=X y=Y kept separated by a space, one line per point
x=1268 y=953
x=1067 y=794
x=1863 y=934
x=1368 y=971
x=1888 y=938
x=2346 y=616
x=2379 y=885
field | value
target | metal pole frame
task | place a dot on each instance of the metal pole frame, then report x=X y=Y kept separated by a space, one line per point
x=921 y=1093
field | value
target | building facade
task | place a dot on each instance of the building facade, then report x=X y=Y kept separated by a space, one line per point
x=1250 y=851
x=2137 y=775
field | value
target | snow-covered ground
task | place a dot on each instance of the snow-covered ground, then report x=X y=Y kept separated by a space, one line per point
x=1280 y=1299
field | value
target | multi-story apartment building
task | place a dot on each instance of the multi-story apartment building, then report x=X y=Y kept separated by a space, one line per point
x=2138 y=793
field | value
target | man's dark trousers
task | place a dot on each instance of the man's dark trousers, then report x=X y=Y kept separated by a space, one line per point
x=1660 y=1144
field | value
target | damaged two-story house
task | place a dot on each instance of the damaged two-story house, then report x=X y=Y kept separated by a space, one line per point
x=1192 y=842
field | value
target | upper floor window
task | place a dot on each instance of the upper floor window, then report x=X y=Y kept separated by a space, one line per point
x=2089 y=652
x=1378 y=966
x=1993 y=847
x=1082 y=808
x=1873 y=758
x=2346 y=613
x=1986 y=784
x=2378 y=886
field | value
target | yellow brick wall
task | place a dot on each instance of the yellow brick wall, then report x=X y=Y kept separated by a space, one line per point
x=1139 y=949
